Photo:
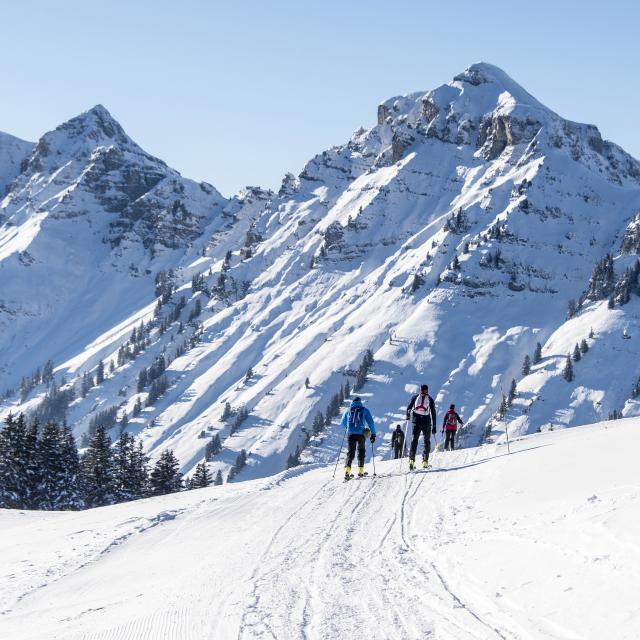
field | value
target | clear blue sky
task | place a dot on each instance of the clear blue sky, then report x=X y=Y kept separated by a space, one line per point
x=240 y=92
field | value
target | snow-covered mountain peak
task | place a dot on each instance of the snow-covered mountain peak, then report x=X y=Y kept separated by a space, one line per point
x=96 y=125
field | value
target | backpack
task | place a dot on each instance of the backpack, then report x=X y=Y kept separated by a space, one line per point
x=421 y=409
x=452 y=421
x=355 y=417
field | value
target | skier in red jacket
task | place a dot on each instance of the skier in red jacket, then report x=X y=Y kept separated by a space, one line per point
x=450 y=426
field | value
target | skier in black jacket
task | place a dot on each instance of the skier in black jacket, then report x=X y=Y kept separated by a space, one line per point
x=422 y=411
x=397 y=442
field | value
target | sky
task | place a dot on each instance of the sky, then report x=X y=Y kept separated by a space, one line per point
x=238 y=93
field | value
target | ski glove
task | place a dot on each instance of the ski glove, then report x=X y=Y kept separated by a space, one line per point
x=373 y=439
x=433 y=431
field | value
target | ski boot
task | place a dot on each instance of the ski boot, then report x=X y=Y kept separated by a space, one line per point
x=412 y=464
x=425 y=464
x=347 y=473
x=361 y=473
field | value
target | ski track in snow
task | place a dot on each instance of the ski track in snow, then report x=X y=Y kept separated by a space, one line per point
x=477 y=547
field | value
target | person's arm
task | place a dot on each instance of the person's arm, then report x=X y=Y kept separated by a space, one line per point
x=345 y=416
x=369 y=418
x=411 y=403
x=432 y=408
x=393 y=438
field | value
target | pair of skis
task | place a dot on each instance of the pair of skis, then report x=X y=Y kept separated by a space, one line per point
x=359 y=476
x=406 y=431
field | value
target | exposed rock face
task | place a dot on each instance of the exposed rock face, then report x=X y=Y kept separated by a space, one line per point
x=383 y=113
x=631 y=240
x=429 y=110
x=497 y=132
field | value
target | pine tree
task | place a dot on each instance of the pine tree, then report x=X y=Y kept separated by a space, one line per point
x=165 y=476
x=584 y=347
x=97 y=468
x=241 y=460
x=12 y=463
x=347 y=389
x=537 y=354
x=31 y=470
x=567 y=372
x=601 y=283
x=571 y=309
x=51 y=464
x=526 y=366
x=201 y=477
x=218 y=481
x=213 y=447
x=142 y=379
x=47 y=372
x=307 y=383
x=70 y=496
x=318 y=423
x=512 y=393
x=137 y=407
x=502 y=411
x=248 y=375
x=226 y=413
x=100 y=373
x=576 y=353
x=591 y=334
x=131 y=471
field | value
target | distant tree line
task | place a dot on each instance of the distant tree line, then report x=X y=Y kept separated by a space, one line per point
x=40 y=468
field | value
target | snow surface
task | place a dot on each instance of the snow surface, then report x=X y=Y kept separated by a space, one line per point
x=539 y=544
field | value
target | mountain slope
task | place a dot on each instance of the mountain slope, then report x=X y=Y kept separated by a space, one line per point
x=448 y=238
x=538 y=544
x=13 y=152
x=87 y=220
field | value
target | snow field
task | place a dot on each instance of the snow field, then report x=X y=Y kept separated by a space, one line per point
x=538 y=544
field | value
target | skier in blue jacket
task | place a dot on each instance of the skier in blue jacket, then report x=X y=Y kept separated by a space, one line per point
x=358 y=421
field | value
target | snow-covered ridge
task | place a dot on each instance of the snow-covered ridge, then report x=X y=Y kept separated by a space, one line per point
x=448 y=238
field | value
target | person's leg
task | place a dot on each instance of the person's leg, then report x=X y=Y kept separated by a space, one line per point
x=351 y=451
x=414 y=442
x=426 y=431
x=361 y=452
x=453 y=439
x=447 y=441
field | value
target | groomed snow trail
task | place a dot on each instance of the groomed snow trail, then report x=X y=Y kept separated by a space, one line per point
x=538 y=544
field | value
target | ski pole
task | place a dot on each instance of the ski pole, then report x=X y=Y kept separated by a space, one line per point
x=506 y=424
x=340 y=452
x=373 y=457
x=404 y=442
